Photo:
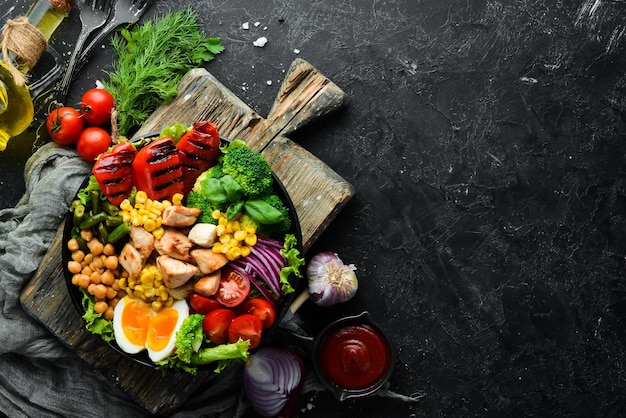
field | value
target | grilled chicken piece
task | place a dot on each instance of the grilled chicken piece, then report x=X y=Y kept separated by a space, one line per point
x=142 y=240
x=175 y=272
x=182 y=292
x=208 y=261
x=175 y=244
x=203 y=234
x=131 y=260
x=208 y=285
x=180 y=216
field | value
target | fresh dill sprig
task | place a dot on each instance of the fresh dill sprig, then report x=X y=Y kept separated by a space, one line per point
x=151 y=60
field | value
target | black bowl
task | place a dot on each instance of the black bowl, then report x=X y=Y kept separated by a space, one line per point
x=142 y=358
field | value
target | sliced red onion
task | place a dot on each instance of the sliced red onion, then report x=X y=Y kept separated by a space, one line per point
x=272 y=379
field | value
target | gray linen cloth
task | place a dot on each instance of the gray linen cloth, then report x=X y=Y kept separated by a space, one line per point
x=39 y=376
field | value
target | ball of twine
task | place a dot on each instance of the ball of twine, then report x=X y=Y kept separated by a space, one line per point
x=26 y=42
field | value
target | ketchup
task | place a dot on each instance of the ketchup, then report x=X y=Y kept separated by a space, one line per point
x=354 y=357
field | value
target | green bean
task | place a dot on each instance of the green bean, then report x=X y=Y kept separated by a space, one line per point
x=103 y=233
x=92 y=220
x=113 y=221
x=110 y=208
x=95 y=202
x=82 y=244
x=79 y=214
x=119 y=232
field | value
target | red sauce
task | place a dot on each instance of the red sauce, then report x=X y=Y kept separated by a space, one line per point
x=354 y=357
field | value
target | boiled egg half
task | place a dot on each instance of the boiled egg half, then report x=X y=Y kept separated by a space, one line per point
x=138 y=327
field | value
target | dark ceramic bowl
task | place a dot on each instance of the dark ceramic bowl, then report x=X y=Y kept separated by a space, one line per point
x=142 y=358
x=375 y=382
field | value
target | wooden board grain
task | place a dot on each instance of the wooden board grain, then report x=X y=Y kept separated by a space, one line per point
x=317 y=191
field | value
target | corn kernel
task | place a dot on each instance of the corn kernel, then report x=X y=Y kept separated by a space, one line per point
x=245 y=251
x=226 y=238
x=250 y=240
x=158 y=233
x=177 y=199
x=141 y=197
x=125 y=205
x=216 y=214
x=217 y=247
x=240 y=235
x=157 y=305
x=220 y=230
x=150 y=225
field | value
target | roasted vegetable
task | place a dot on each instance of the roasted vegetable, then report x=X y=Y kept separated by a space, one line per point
x=198 y=149
x=156 y=170
x=113 y=172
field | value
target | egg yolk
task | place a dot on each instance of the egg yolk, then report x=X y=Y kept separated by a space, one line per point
x=136 y=318
x=161 y=328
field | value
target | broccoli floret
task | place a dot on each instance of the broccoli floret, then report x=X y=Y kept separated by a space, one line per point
x=199 y=201
x=248 y=168
x=189 y=337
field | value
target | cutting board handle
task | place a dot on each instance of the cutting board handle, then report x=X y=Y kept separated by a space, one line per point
x=304 y=96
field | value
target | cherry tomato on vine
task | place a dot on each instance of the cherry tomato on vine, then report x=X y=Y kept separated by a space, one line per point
x=215 y=325
x=96 y=106
x=64 y=125
x=92 y=142
x=262 y=309
x=247 y=327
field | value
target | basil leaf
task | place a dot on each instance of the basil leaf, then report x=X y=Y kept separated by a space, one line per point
x=263 y=212
x=233 y=210
x=214 y=191
x=232 y=188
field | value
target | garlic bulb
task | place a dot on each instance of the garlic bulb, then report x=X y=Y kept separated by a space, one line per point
x=330 y=280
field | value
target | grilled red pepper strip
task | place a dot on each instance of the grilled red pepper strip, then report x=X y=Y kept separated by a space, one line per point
x=114 y=173
x=156 y=170
x=198 y=149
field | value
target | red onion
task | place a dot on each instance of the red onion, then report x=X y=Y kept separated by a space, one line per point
x=272 y=379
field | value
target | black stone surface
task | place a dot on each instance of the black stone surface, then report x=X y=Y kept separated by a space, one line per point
x=485 y=140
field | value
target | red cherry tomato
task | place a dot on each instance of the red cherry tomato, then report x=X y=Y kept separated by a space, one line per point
x=262 y=309
x=247 y=327
x=234 y=287
x=216 y=323
x=203 y=305
x=96 y=106
x=64 y=125
x=93 y=142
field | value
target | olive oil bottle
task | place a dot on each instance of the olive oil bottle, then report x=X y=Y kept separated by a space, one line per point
x=16 y=104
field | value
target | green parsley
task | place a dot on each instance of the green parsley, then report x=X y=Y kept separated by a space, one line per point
x=151 y=60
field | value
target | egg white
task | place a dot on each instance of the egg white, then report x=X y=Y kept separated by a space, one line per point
x=120 y=338
x=182 y=308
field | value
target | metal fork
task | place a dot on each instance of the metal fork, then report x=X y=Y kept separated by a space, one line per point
x=125 y=12
x=93 y=14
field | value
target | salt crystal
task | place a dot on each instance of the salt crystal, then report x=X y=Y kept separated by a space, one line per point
x=260 y=42
x=269 y=82
x=256 y=24
x=296 y=51
x=245 y=26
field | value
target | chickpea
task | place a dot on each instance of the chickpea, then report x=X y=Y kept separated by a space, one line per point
x=95 y=246
x=107 y=278
x=72 y=245
x=100 y=291
x=96 y=277
x=109 y=250
x=86 y=234
x=108 y=314
x=111 y=262
x=100 y=307
x=78 y=256
x=83 y=281
x=74 y=267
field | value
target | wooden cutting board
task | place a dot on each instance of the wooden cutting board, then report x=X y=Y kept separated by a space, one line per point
x=318 y=194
